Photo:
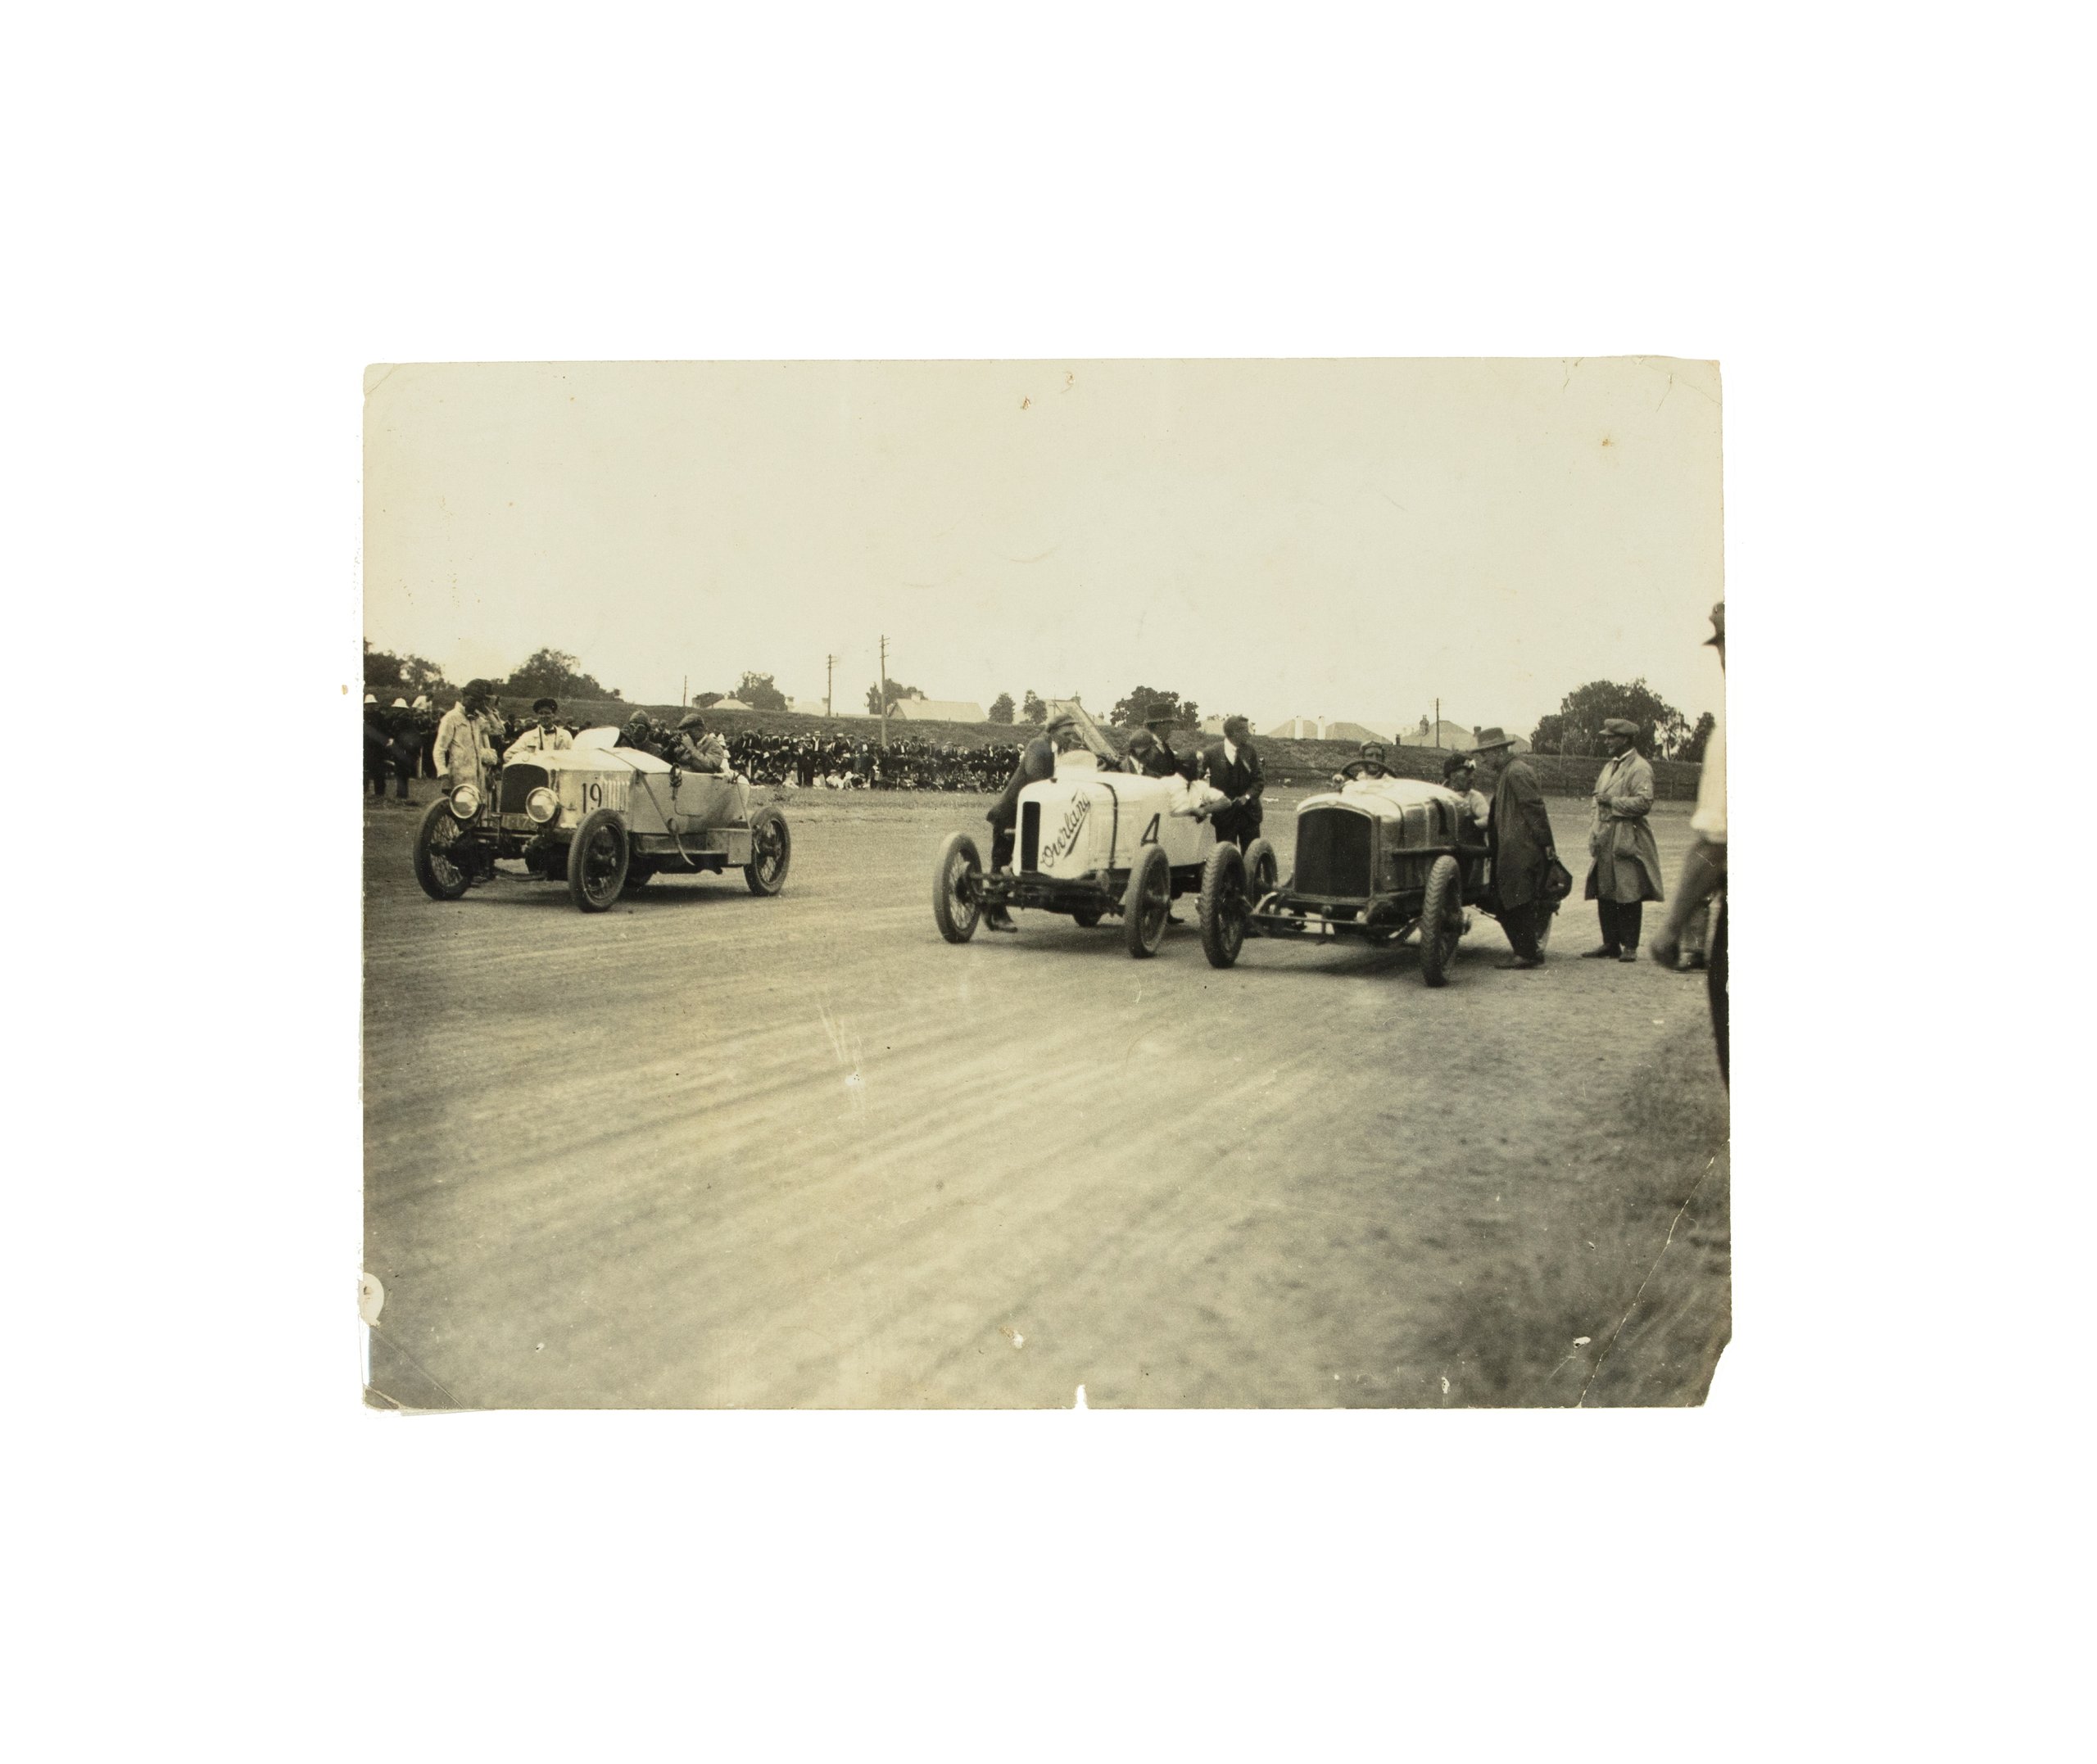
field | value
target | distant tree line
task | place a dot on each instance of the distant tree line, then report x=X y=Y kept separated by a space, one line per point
x=1575 y=727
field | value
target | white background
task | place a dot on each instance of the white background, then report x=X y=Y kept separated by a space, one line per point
x=1862 y=1545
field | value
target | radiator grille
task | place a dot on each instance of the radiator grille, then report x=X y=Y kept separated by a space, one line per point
x=1332 y=852
x=518 y=783
x=1029 y=834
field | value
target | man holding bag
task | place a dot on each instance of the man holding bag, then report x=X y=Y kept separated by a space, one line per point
x=1626 y=871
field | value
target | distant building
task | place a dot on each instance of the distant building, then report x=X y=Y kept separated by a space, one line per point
x=1324 y=728
x=731 y=704
x=938 y=711
x=1458 y=738
x=1213 y=726
x=805 y=707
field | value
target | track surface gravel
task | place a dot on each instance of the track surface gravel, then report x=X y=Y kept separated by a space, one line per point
x=711 y=1150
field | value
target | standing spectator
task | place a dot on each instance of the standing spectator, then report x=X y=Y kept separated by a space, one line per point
x=1626 y=871
x=1703 y=870
x=426 y=720
x=1232 y=766
x=464 y=747
x=1518 y=835
x=378 y=747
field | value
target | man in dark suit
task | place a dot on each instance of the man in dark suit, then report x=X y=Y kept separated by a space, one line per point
x=1232 y=766
x=1517 y=833
x=1037 y=763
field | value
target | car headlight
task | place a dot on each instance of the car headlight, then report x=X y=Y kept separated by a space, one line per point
x=542 y=805
x=465 y=801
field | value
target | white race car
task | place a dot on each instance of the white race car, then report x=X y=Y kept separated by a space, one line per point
x=1090 y=843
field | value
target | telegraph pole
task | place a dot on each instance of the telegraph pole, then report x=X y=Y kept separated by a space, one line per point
x=882 y=694
x=1435 y=740
x=829 y=668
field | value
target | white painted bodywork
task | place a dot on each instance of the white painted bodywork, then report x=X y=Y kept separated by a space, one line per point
x=593 y=774
x=1093 y=820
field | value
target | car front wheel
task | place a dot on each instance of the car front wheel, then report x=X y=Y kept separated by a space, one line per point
x=438 y=862
x=1223 y=906
x=597 y=860
x=1441 y=921
x=1148 y=903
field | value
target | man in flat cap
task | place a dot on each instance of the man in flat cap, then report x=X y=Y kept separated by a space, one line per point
x=692 y=748
x=1517 y=833
x=1626 y=871
x=1037 y=763
x=545 y=735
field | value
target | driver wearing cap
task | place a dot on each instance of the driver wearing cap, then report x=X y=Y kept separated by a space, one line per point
x=692 y=748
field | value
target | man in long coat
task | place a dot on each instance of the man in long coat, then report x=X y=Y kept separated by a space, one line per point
x=1626 y=871
x=1517 y=833
x=466 y=748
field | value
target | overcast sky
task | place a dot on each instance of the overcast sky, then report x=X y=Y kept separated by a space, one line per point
x=1336 y=539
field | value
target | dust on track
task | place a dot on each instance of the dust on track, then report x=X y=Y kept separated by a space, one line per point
x=707 y=1149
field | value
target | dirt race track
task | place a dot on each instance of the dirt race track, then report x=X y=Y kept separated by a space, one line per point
x=711 y=1150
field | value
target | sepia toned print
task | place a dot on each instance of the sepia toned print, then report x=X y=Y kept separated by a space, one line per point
x=1017 y=884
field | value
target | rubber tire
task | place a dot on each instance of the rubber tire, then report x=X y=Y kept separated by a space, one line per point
x=1262 y=870
x=585 y=836
x=1087 y=916
x=754 y=876
x=433 y=884
x=1441 y=921
x=1223 y=896
x=1148 y=902
x=956 y=921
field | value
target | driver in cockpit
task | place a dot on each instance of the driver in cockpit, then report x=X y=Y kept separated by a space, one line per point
x=1372 y=764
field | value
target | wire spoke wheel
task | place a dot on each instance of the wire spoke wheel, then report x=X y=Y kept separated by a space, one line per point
x=438 y=841
x=597 y=860
x=958 y=889
x=772 y=851
x=1148 y=903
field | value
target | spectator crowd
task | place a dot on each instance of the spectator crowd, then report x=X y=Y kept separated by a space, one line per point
x=400 y=741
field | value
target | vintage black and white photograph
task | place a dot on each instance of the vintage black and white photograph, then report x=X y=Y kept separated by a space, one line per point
x=994 y=885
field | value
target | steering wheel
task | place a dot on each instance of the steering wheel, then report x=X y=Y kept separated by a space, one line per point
x=1359 y=768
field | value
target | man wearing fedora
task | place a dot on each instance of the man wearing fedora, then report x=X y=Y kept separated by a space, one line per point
x=1518 y=835
x=545 y=735
x=1626 y=871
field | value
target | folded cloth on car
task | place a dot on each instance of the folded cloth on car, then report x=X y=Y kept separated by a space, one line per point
x=1191 y=797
